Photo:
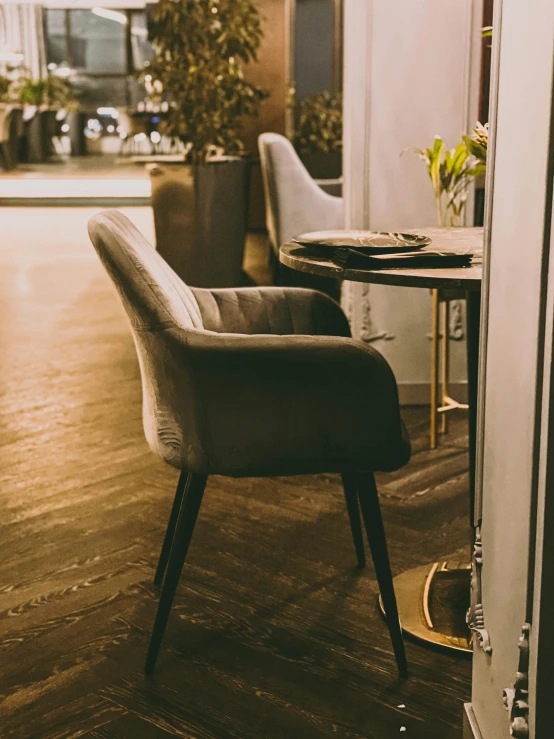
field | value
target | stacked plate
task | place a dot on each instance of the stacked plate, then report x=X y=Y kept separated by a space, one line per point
x=373 y=242
x=379 y=250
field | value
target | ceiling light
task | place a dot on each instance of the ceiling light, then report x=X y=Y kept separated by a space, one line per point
x=111 y=15
x=110 y=112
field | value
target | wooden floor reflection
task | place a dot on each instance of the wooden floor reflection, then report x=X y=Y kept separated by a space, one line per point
x=274 y=635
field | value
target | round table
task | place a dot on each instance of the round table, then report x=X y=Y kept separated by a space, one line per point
x=424 y=593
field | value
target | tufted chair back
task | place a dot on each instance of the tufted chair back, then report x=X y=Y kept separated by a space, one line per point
x=248 y=381
x=160 y=307
x=152 y=294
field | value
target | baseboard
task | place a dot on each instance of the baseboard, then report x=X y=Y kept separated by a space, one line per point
x=471 y=728
x=419 y=393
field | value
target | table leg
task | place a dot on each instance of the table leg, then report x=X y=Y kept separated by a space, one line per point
x=433 y=599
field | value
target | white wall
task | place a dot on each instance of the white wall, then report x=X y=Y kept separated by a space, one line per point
x=411 y=71
x=519 y=216
x=21 y=31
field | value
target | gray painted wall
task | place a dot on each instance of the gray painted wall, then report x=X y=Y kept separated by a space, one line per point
x=518 y=217
x=313 y=51
x=400 y=89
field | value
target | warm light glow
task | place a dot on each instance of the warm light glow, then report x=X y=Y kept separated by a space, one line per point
x=111 y=15
x=11 y=56
x=112 y=112
x=52 y=188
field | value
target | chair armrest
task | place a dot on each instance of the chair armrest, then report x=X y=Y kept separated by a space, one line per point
x=271 y=310
x=290 y=404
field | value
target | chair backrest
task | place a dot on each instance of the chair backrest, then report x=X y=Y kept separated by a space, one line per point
x=155 y=299
x=294 y=202
x=152 y=294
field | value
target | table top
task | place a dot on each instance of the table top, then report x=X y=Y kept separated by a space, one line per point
x=307 y=259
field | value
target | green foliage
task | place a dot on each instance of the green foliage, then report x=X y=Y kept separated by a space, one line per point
x=30 y=91
x=5 y=85
x=319 y=126
x=478 y=142
x=53 y=91
x=451 y=172
x=201 y=48
x=59 y=93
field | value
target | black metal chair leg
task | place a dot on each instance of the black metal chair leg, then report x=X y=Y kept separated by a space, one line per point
x=168 y=538
x=371 y=513
x=349 y=483
x=183 y=534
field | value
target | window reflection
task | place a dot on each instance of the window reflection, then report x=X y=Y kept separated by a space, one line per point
x=98 y=44
x=103 y=48
x=141 y=48
x=56 y=38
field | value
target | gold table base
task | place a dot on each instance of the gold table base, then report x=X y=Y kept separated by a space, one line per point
x=432 y=602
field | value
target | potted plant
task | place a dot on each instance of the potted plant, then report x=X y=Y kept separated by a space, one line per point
x=31 y=96
x=451 y=172
x=200 y=205
x=5 y=85
x=318 y=134
x=478 y=143
x=41 y=99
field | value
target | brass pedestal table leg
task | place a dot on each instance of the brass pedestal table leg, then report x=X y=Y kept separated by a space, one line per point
x=433 y=599
x=440 y=407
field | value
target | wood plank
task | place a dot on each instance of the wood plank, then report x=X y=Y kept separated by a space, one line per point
x=274 y=632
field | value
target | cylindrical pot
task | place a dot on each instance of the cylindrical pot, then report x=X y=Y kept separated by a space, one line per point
x=36 y=138
x=50 y=129
x=8 y=146
x=200 y=217
x=77 y=121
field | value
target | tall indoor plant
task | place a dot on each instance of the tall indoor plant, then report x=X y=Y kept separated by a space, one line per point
x=42 y=98
x=200 y=208
x=318 y=134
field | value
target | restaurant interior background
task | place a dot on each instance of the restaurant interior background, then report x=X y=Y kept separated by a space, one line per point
x=378 y=118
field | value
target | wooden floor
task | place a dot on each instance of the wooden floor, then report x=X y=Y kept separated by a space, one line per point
x=274 y=634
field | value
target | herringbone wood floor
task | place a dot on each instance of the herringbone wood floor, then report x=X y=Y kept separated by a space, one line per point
x=274 y=634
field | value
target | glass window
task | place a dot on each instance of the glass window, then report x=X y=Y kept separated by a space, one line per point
x=95 y=92
x=141 y=48
x=56 y=39
x=103 y=48
x=98 y=42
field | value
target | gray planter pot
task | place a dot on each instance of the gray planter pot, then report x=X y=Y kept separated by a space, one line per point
x=77 y=121
x=36 y=138
x=200 y=217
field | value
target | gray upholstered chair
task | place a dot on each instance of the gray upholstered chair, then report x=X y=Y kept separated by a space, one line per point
x=253 y=382
x=294 y=201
